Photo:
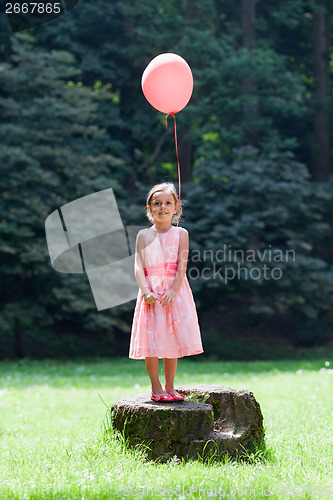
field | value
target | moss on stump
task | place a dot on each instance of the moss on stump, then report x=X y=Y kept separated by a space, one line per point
x=222 y=420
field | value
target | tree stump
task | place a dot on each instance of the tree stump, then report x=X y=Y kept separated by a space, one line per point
x=228 y=421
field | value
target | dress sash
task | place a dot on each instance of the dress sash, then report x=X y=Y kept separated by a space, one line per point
x=160 y=269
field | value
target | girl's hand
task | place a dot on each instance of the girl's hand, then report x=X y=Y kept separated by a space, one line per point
x=150 y=298
x=168 y=297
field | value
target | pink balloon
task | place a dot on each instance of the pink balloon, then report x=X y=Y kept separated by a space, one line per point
x=167 y=83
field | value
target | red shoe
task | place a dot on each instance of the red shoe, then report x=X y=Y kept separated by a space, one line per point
x=176 y=397
x=163 y=397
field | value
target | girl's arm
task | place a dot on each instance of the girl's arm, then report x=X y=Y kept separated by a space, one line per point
x=182 y=259
x=139 y=263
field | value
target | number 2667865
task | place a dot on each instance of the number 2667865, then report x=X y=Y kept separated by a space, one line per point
x=33 y=8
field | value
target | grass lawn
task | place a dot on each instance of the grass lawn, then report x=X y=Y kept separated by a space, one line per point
x=53 y=444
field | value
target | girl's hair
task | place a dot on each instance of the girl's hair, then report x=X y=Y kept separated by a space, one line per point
x=165 y=186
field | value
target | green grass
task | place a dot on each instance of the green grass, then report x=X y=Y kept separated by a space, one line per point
x=53 y=444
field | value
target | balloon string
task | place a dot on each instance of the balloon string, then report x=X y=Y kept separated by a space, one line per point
x=176 y=145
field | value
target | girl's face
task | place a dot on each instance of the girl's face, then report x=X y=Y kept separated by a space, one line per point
x=162 y=206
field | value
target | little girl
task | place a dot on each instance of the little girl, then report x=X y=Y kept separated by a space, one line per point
x=165 y=323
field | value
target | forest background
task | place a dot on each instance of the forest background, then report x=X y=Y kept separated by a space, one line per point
x=255 y=146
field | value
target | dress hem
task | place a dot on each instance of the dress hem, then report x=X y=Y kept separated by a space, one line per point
x=143 y=356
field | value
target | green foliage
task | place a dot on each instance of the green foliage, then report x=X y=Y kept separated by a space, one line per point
x=265 y=208
x=52 y=152
x=125 y=39
x=74 y=121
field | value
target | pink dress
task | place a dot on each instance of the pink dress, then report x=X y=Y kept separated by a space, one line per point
x=170 y=331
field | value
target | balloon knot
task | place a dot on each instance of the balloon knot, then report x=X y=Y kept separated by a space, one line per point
x=166 y=118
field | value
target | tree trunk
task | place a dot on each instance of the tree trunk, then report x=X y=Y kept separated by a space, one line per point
x=185 y=159
x=248 y=17
x=249 y=84
x=250 y=88
x=131 y=185
x=321 y=157
x=126 y=113
x=18 y=338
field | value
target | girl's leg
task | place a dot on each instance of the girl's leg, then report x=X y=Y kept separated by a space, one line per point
x=170 y=367
x=152 y=369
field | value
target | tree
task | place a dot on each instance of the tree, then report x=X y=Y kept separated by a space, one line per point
x=271 y=196
x=52 y=152
x=249 y=84
x=321 y=162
